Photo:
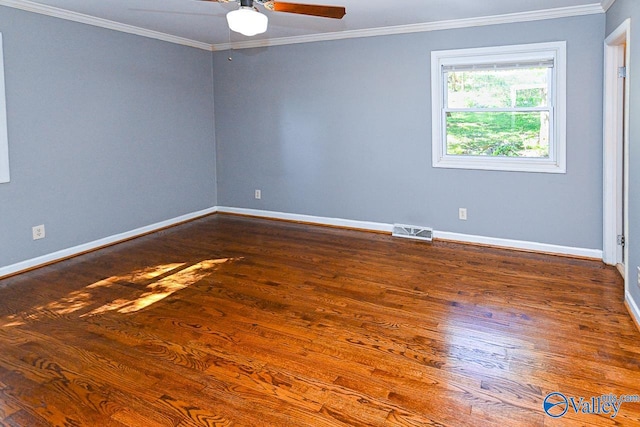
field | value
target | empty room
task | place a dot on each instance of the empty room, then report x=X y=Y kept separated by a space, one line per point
x=332 y=213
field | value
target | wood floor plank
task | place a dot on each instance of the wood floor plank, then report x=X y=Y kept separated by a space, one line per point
x=234 y=321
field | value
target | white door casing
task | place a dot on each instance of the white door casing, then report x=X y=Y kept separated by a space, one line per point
x=616 y=143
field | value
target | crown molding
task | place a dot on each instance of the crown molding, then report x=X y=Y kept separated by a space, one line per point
x=538 y=15
x=100 y=22
x=563 y=12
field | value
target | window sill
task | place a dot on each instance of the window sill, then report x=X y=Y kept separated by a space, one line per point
x=500 y=164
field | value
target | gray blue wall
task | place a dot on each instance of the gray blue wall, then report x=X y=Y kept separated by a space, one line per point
x=108 y=132
x=621 y=10
x=343 y=129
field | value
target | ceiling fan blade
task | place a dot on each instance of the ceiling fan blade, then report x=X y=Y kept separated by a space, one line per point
x=335 y=12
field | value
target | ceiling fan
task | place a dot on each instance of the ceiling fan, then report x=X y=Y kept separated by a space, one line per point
x=249 y=21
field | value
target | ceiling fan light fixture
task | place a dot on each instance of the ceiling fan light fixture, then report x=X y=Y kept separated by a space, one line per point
x=247 y=21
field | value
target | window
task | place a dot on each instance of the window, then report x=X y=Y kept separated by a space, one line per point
x=4 y=145
x=500 y=108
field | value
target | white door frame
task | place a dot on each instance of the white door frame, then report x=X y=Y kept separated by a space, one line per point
x=616 y=142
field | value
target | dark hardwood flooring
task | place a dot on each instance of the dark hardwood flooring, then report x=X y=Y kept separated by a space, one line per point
x=247 y=322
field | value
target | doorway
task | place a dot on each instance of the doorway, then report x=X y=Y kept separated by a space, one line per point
x=616 y=147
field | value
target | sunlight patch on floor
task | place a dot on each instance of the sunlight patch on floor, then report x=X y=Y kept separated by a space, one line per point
x=159 y=282
x=137 y=276
x=161 y=288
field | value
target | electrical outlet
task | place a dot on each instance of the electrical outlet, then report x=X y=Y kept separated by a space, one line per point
x=38 y=232
x=638 y=276
x=462 y=214
x=258 y=194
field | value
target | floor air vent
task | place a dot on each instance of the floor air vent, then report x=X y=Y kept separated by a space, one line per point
x=412 y=232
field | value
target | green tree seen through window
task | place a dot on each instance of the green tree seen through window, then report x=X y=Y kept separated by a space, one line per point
x=475 y=128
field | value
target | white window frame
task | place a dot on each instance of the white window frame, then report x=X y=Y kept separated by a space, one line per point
x=4 y=140
x=556 y=51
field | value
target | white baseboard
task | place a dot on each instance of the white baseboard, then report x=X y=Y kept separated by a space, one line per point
x=334 y=222
x=311 y=219
x=519 y=244
x=96 y=244
x=441 y=235
x=634 y=310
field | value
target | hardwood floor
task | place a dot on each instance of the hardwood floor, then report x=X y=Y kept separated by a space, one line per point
x=239 y=321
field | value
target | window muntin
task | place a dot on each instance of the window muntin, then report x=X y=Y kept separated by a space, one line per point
x=500 y=108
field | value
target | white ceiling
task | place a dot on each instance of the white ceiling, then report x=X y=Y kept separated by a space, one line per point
x=203 y=24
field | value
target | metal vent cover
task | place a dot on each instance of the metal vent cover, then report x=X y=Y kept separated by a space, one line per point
x=412 y=232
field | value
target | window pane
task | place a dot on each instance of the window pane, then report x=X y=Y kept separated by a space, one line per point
x=521 y=87
x=510 y=134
